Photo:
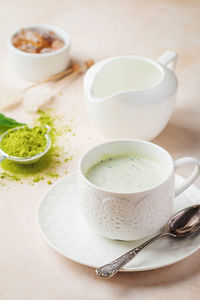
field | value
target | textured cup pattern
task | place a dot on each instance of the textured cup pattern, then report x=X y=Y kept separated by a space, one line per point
x=127 y=217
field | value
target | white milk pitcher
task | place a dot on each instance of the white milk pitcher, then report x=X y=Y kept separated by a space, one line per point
x=131 y=96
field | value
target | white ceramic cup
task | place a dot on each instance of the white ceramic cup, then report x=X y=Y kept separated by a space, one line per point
x=133 y=215
x=38 y=66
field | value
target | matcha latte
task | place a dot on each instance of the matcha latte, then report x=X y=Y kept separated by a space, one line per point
x=126 y=173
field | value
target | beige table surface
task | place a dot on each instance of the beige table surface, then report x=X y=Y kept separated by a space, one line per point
x=29 y=268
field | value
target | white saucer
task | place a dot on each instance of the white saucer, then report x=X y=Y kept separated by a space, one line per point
x=63 y=227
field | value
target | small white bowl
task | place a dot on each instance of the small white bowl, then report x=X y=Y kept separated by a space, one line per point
x=38 y=66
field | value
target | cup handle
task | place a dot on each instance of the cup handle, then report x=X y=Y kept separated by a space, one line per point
x=168 y=59
x=182 y=161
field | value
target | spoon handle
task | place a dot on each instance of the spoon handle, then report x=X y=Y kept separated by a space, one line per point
x=113 y=267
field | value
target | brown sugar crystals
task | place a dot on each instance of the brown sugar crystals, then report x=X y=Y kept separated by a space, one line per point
x=33 y=41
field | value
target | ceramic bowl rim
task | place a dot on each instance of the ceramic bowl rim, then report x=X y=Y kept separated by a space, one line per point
x=58 y=31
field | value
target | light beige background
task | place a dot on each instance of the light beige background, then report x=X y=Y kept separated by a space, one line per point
x=29 y=268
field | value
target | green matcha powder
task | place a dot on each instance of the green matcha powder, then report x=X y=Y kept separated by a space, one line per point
x=25 y=141
x=47 y=168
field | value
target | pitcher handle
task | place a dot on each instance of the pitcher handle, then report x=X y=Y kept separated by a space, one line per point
x=168 y=59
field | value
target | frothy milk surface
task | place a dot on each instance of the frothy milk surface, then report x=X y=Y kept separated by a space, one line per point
x=129 y=173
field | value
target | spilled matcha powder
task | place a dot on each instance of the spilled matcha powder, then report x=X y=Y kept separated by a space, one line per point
x=24 y=142
x=51 y=165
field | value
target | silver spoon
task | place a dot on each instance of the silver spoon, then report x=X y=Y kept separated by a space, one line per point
x=181 y=224
x=30 y=159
